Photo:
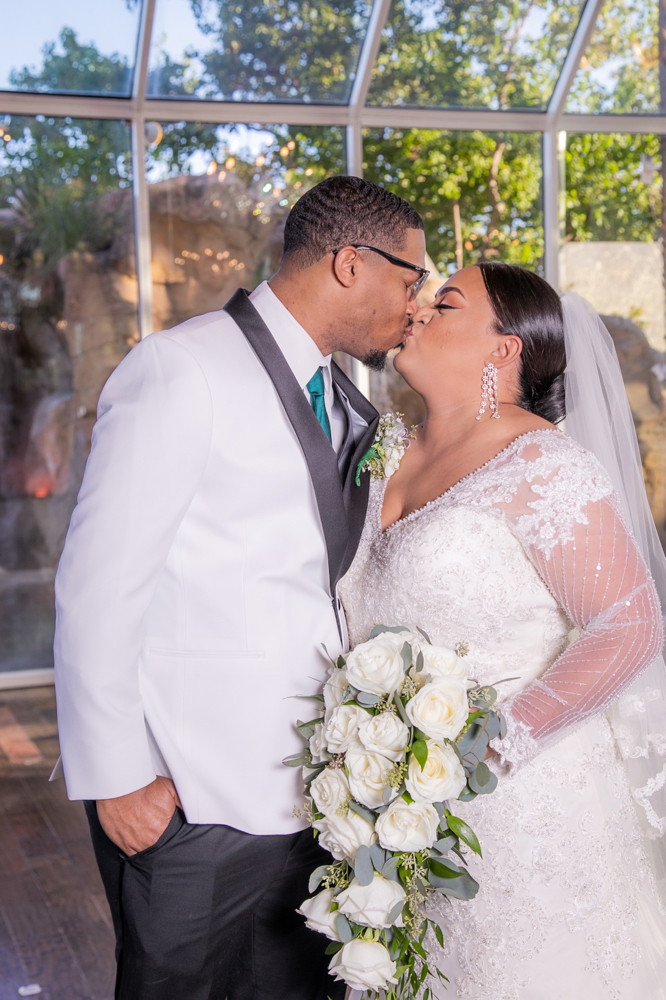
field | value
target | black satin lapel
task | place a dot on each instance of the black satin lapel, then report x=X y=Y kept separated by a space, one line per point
x=356 y=497
x=319 y=456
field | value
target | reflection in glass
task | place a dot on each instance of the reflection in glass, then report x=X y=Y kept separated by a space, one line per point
x=264 y=50
x=68 y=315
x=72 y=46
x=473 y=53
x=479 y=195
x=613 y=255
x=620 y=71
x=219 y=196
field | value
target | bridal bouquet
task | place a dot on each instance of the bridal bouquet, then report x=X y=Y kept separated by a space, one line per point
x=402 y=732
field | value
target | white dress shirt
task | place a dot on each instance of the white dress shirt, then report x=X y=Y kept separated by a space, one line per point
x=302 y=354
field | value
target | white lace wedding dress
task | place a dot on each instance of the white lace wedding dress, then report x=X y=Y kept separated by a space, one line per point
x=529 y=562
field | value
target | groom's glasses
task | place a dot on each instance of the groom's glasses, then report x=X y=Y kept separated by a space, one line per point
x=398 y=261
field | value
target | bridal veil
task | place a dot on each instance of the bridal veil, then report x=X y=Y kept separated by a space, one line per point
x=599 y=418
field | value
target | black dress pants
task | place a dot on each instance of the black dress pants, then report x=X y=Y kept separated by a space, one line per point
x=208 y=913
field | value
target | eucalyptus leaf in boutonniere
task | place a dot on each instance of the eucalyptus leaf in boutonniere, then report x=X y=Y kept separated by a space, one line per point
x=390 y=444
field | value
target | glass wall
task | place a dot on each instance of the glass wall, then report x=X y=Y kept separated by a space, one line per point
x=479 y=195
x=613 y=255
x=68 y=314
x=219 y=197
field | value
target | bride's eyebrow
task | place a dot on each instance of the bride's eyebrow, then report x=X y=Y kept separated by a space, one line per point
x=451 y=288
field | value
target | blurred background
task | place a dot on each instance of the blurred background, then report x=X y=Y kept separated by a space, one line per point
x=150 y=152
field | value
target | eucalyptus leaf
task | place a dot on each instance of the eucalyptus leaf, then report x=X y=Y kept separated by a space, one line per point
x=341 y=663
x=467 y=795
x=390 y=869
x=314 y=773
x=465 y=832
x=333 y=948
x=365 y=699
x=424 y=634
x=345 y=933
x=464 y=887
x=378 y=857
x=396 y=911
x=316 y=877
x=419 y=662
x=363 y=867
x=362 y=811
x=483 y=783
x=446 y=843
x=378 y=629
x=386 y=794
x=493 y=725
x=420 y=751
x=441 y=809
x=299 y=759
x=502 y=726
x=401 y=709
x=406 y=654
x=438 y=933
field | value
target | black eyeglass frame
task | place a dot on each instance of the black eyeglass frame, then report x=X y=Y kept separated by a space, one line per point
x=392 y=259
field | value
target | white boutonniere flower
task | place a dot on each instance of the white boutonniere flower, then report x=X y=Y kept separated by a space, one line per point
x=390 y=444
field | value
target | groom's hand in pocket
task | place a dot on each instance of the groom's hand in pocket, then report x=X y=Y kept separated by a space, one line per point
x=136 y=821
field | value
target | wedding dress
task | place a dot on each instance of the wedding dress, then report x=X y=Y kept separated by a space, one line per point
x=529 y=562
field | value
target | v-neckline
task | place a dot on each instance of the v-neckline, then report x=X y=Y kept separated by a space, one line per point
x=412 y=514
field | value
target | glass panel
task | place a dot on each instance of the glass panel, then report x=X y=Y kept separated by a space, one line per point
x=73 y=46
x=68 y=314
x=620 y=71
x=613 y=255
x=219 y=196
x=480 y=198
x=483 y=53
x=265 y=50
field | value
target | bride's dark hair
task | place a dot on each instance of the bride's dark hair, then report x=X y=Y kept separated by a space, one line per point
x=528 y=307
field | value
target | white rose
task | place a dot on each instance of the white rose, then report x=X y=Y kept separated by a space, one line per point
x=334 y=690
x=438 y=661
x=367 y=776
x=393 y=458
x=341 y=730
x=443 y=776
x=317 y=744
x=372 y=904
x=330 y=791
x=386 y=734
x=317 y=911
x=407 y=827
x=363 y=965
x=440 y=709
x=375 y=667
x=342 y=836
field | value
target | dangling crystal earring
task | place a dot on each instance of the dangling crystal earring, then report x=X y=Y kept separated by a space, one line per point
x=489 y=392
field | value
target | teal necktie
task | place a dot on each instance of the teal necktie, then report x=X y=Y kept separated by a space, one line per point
x=316 y=389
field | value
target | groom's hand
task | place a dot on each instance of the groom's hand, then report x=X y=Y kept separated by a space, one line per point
x=136 y=821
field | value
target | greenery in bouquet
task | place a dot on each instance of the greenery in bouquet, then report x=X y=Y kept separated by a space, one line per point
x=403 y=733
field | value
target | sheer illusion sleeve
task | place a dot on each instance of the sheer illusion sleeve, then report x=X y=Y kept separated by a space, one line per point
x=561 y=507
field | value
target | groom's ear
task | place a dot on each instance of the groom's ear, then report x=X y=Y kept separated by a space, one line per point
x=346 y=263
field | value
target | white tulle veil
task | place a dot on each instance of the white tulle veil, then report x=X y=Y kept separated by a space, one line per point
x=599 y=418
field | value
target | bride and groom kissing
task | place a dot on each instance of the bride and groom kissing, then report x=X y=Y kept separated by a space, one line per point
x=223 y=535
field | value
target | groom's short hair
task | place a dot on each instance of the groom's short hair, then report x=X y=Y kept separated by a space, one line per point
x=344 y=210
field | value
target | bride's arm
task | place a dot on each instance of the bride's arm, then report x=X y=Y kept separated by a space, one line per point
x=597 y=575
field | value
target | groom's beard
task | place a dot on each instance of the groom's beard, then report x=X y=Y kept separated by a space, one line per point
x=375 y=360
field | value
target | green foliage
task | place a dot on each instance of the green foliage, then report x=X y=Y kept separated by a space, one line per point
x=487 y=53
x=606 y=198
x=78 y=68
x=494 y=178
x=270 y=50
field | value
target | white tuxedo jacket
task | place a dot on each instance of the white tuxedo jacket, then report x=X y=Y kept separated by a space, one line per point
x=194 y=591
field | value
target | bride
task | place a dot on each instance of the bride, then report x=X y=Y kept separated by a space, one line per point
x=501 y=531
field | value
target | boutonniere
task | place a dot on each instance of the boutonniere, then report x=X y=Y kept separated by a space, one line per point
x=390 y=444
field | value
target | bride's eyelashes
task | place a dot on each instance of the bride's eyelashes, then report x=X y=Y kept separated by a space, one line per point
x=443 y=305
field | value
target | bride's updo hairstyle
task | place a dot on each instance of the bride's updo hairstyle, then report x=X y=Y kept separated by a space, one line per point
x=526 y=306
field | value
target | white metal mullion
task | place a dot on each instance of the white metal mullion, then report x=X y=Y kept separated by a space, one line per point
x=579 y=43
x=354 y=150
x=142 y=244
x=551 y=206
x=369 y=53
x=636 y=124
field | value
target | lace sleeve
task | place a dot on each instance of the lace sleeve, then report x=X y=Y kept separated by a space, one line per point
x=567 y=518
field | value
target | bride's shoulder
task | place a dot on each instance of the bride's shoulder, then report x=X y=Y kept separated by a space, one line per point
x=555 y=448
x=558 y=468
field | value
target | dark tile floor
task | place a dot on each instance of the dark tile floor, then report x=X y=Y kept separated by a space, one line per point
x=55 y=927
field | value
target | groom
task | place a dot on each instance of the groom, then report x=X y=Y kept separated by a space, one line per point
x=197 y=585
